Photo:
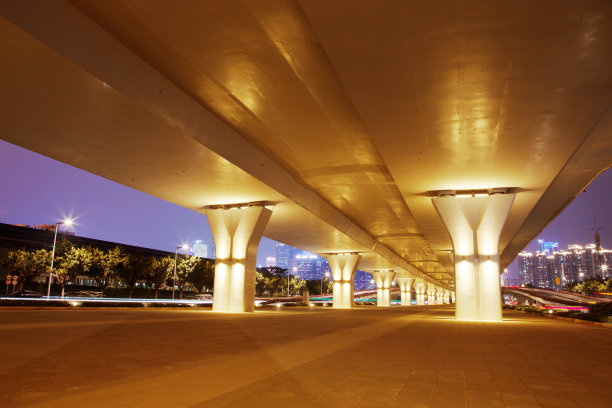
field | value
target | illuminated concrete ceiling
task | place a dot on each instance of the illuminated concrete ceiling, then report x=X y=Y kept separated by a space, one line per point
x=347 y=114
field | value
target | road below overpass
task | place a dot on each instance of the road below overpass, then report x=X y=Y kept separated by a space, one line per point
x=299 y=357
x=552 y=297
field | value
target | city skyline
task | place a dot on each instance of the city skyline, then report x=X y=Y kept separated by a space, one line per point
x=40 y=190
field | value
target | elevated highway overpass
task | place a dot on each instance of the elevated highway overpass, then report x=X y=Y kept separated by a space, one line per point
x=550 y=297
x=423 y=141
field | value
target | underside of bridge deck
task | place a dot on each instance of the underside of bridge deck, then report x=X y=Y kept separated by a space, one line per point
x=346 y=117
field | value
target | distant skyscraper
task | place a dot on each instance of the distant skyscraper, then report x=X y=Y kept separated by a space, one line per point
x=200 y=249
x=548 y=248
x=270 y=261
x=554 y=269
x=308 y=266
x=283 y=255
x=363 y=280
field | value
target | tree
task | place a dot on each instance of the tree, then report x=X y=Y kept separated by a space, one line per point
x=159 y=272
x=27 y=264
x=71 y=263
x=296 y=285
x=261 y=283
x=203 y=275
x=184 y=269
x=273 y=280
x=132 y=268
x=593 y=285
x=320 y=286
x=103 y=266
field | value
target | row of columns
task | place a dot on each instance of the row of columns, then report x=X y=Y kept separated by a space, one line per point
x=474 y=224
x=237 y=232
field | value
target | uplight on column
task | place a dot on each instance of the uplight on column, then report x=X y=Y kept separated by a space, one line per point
x=474 y=220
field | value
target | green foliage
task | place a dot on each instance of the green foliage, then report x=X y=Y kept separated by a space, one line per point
x=27 y=264
x=71 y=263
x=203 y=275
x=589 y=286
x=159 y=272
x=132 y=268
x=273 y=281
x=184 y=270
x=108 y=267
x=270 y=281
x=103 y=268
x=592 y=286
x=296 y=285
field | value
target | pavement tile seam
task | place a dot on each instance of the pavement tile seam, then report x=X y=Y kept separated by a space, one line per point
x=434 y=356
x=282 y=357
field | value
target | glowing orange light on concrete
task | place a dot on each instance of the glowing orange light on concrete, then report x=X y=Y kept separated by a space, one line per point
x=420 y=288
x=237 y=233
x=383 y=284
x=343 y=267
x=405 y=285
x=475 y=224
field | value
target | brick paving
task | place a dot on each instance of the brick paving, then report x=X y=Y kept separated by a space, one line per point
x=367 y=357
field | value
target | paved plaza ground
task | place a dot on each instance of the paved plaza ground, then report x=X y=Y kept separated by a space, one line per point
x=299 y=357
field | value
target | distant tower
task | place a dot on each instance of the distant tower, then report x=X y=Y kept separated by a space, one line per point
x=598 y=257
x=596 y=229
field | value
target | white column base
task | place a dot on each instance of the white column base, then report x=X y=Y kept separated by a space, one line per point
x=405 y=285
x=237 y=233
x=421 y=289
x=475 y=225
x=343 y=267
x=383 y=280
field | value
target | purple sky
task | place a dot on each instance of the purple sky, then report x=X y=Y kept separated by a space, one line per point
x=39 y=190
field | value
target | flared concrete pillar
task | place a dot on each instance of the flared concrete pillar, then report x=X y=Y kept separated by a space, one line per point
x=431 y=295
x=383 y=281
x=475 y=224
x=405 y=285
x=439 y=296
x=420 y=287
x=343 y=267
x=237 y=233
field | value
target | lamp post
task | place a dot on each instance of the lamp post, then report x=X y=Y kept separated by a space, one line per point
x=66 y=222
x=184 y=246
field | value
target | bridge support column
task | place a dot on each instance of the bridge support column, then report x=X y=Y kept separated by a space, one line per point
x=405 y=285
x=383 y=280
x=237 y=232
x=439 y=296
x=343 y=267
x=475 y=224
x=431 y=295
x=420 y=288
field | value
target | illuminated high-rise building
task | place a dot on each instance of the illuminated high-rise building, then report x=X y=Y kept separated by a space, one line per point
x=283 y=255
x=546 y=269
x=199 y=248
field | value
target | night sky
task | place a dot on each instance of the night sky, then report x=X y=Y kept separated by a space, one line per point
x=39 y=190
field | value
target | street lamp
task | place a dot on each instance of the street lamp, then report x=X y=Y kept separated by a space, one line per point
x=183 y=247
x=67 y=222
